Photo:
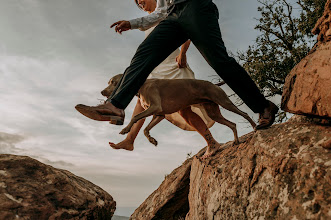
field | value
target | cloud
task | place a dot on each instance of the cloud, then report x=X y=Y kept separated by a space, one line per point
x=8 y=141
x=8 y=146
x=76 y=31
x=10 y=138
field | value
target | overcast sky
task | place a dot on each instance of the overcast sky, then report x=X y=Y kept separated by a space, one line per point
x=56 y=54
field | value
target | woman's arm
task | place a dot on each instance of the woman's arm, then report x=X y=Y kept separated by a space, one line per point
x=181 y=58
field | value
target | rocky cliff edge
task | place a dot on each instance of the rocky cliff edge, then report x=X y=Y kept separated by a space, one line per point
x=283 y=172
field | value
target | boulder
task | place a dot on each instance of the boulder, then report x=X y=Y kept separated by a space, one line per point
x=32 y=190
x=280 y=173
x=283 y=172
x=307 y=87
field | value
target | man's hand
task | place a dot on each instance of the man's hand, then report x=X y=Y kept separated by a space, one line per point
x=181 y=60
x=121 y=26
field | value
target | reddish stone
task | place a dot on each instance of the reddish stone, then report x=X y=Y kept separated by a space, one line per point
x=32 y=190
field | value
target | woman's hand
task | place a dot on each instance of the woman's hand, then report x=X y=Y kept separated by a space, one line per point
x=121 y=26
x=181 y=60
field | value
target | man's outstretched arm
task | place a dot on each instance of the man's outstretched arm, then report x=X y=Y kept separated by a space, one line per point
x=145 y=22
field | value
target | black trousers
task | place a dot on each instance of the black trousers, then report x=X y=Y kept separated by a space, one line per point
x=196 y=20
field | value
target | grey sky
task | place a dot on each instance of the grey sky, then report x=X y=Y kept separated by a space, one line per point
x=56 y=54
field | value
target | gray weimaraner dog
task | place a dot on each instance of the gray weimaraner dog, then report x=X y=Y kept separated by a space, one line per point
x=166 y=96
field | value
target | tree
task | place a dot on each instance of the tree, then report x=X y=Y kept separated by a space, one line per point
x=285 y=39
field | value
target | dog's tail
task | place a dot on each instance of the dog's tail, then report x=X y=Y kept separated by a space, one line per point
x=220 y=83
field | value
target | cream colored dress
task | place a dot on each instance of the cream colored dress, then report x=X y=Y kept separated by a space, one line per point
x=168 y=69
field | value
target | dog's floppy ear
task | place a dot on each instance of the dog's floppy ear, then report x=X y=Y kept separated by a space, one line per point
x=115 y=79
x=119 y=75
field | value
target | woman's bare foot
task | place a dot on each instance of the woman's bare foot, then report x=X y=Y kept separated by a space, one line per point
x=211 y=150
x=126 y=144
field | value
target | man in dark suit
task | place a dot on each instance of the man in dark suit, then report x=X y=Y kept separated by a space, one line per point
x=178 y=21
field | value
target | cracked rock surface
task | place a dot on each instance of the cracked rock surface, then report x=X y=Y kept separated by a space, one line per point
x=283 y=172
x=307 y=88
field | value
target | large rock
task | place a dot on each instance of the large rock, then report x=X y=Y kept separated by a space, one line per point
x=280 y=173
x=283 y=172
x=307 y=87
x=32 y=190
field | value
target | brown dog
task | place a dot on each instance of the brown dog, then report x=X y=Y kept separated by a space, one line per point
x=166 y=96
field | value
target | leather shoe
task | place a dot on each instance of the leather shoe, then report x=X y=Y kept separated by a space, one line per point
x=267 y=118
x=101 y=113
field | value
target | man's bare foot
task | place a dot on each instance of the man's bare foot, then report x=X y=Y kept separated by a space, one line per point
x=211 y=150
x=126 y=144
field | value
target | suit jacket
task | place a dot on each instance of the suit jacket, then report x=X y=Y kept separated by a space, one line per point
x=162 y=10
x=178 y=1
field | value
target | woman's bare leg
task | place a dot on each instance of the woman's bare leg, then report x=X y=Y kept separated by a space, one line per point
x=199 y=125
x=128 y=142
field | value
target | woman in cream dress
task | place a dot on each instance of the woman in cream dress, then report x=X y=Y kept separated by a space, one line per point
x=173 y=67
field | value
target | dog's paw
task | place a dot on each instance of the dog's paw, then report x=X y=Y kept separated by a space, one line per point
x=153 y=141
x=125 y=130
x=235 y=142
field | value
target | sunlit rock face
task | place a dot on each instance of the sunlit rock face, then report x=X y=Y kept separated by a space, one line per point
x=280 y=173
x=307 y=88
x=32 y=190
x=283 y=172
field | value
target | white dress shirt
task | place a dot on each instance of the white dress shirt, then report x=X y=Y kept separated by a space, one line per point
x=160 y=13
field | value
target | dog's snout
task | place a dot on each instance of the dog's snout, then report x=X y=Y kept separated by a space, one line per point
x=103 y=92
